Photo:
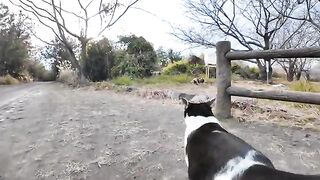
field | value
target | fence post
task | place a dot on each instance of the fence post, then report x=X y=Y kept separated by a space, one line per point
x=223 y=76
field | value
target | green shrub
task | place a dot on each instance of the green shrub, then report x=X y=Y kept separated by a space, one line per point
x=245 y=72
x=38 y=72
x=254 y=70
x=138 y=58
x=166 y=79
x=235 y=68
x=123 y=80
x=7 y=80
x=253 y=73
x=179 y=67
x=183 y=67
x=304 y=86
x=198 y=69
x=162 y=79
x=99 y=61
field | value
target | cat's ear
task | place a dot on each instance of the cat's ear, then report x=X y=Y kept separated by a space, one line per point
x=185 y=102
x=211 y=102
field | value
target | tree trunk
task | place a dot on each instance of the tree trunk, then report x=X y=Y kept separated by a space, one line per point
x=263 y=74
x=308 y=76
x=290 y=77
x=108 y=69
x=75 y=64
x=298 y=75
x=83 y=56
x=263 y=71
x=290 y=73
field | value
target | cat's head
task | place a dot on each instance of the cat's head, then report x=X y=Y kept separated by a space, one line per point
x=198 y=108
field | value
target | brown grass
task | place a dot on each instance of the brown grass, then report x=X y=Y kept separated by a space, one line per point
x=69 y=77
x=7 y=80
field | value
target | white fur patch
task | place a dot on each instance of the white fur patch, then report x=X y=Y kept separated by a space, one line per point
x=195 y=122
x=187 y=160
x=236 y=166
x=192 y=124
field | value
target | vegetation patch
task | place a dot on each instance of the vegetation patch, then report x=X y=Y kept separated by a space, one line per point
x=162 y=79
x=183 y=67
x=167 y=79
x=6 y=80
x=245 y=72
x=304 y=86
x=69 y=77
x=267 y=111
x=123 y=80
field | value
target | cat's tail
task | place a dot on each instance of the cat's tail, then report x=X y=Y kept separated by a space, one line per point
x=260 y=172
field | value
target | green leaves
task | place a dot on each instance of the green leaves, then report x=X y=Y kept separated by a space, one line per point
x=137 y=57
x=14 y=45
x=99 y=61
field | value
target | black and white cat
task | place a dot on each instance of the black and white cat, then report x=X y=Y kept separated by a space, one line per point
x=212 y=153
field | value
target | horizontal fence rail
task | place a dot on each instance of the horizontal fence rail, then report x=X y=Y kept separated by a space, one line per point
x=290 y=96
x=279 y=53
x=223 y=75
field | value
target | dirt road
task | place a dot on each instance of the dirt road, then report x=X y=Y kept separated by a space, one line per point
x=49 y=131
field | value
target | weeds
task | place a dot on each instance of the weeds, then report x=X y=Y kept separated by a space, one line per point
x=123 y=80
x=67 y=74
x=7 y=80
x=305 y=86
x=155 y=80
x=69 y=77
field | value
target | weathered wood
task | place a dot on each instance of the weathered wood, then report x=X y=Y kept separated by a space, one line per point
x=279 y=53
x=223 y=75
x=291 y=96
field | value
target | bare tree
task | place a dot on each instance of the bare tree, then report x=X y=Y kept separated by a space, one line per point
x=291 y=36
x=93 y=14
x=252 y=23
x=306 y=10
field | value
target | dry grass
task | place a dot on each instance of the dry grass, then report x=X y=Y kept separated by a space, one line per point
x=103 y=85
x=304 y=86
x=69 y=77
x=7 y=80
x=281 y=113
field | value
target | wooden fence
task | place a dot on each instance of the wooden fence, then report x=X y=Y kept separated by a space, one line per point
x=225 y=90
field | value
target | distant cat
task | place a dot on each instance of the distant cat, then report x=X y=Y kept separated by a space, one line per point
x=197 y=81
x=212 y=153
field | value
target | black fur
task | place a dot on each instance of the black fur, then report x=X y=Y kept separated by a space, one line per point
x=201 y=109
x=259 y=172
x=198 y=81
x=209 y=151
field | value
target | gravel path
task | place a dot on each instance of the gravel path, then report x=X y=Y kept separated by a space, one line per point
x=49 y=131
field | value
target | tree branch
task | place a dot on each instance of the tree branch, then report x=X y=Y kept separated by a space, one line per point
x=112 y=22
